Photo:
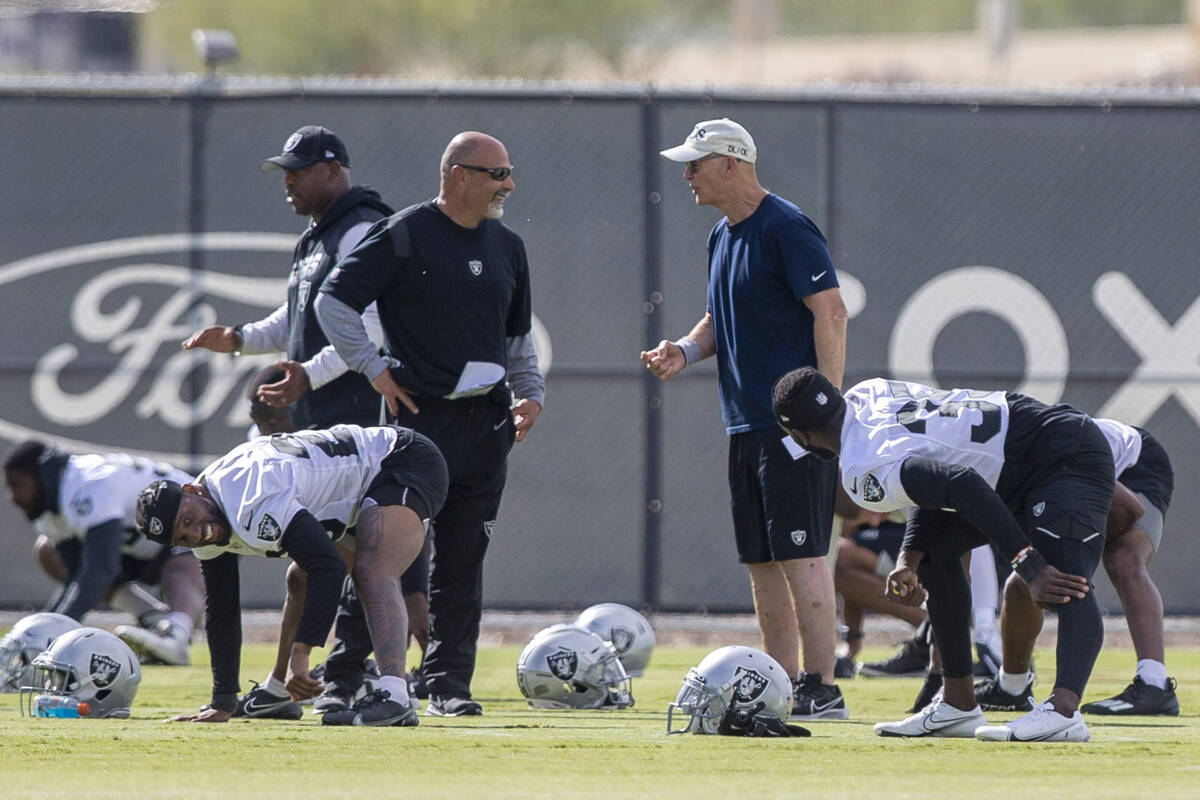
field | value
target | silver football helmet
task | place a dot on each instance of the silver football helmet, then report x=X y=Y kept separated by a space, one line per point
x=90 y=665
x=565 y=666
x=735 y=675
x=626 y=630
x=22 y=644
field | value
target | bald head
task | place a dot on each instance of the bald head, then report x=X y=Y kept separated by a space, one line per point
x=472 y=147
x=476 y=178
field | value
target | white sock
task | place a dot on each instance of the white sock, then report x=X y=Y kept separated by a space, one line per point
x=397 y=687
x=275 y=687
x=183 y=621
x=1013 y=684
x=1154 y=673
x=984 y=591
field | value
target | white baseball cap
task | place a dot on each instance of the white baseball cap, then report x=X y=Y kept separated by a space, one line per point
x=721 y=136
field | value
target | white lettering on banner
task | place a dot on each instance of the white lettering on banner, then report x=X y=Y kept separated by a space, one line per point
x=993 y=291
x=1170 y=355
x=139 y=348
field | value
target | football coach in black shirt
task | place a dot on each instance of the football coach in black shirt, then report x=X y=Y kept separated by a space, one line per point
x=452 y=286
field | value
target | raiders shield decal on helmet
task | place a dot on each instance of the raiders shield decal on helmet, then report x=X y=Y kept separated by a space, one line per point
x=748 y=685
x=621 y=639
x=563 y=664
x=103 y=669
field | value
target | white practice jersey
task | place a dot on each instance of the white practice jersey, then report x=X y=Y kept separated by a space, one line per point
x=1124 y=441
x=888 y=422
x=95 y=489
x=262 y=484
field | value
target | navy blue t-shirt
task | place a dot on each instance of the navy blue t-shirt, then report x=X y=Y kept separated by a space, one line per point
x=759 y=272
x=446 y=294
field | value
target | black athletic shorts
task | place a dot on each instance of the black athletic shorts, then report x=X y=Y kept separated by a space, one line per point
x=782 y=507
x=882 y=541
x=1152 y=474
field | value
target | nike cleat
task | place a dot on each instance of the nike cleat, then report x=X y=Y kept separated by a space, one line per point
x=261 y=704
x=939 y=718
x=1043 y=724
x=814 y=700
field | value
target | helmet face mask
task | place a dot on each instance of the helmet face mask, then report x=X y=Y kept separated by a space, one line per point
x=27 y=639
x=734 y=676
x=626 y=630
x=89 y=665
x=564 y=666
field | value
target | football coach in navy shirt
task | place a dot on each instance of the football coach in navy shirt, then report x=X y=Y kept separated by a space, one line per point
x=773 y=305
x=452 y=286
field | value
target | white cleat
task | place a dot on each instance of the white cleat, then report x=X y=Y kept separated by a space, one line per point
x=1043 y=724
x=939 y=718
x=166 y=643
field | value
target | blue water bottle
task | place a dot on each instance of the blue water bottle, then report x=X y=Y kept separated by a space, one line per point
x=53 y=705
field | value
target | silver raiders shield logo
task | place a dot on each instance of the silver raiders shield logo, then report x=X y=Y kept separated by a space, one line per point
x=103 y=669
x=563 y=664
x=748 y=685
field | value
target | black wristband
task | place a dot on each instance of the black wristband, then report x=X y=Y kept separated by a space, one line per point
x=1029 y=565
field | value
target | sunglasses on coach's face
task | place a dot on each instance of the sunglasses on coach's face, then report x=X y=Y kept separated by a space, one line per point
x=497 y=173
x=694 y=166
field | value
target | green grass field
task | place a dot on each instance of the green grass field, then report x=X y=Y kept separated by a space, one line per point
x=516 y=752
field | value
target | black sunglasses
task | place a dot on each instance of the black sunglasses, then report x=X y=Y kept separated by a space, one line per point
x=694 y=166
x=497 y=173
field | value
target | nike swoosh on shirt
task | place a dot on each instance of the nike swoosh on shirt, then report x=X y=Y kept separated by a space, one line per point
x=819 y=275
x=499 y=424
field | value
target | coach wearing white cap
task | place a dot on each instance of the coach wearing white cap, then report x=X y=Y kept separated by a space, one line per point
x=773 y=306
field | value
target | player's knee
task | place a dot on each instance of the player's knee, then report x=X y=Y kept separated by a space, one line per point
x=1123 y=564
x=296 y=578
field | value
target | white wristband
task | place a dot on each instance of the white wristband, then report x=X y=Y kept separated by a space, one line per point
x=691 y=350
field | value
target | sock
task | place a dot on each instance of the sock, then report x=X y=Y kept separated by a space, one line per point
x=275 y=687
x=1154 y=673
x=397 y=687
x=1013 y=684
x=181 y=620
x=984 y=591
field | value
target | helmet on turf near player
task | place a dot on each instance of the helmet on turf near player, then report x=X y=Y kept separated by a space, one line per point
x=24 y=642
x=565 y=666
x=735 y=675
x=626 y=630
x=91 y=665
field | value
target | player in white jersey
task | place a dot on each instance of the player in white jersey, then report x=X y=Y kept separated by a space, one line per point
x=973 y=467
x=288 y=494
x=1145 y=482
x=82 y=508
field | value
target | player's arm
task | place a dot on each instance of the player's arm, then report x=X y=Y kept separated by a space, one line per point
x=934 y=485
x=829 y=333
x=669 y=358
x=223 y=627
x=307 y=543
x=267 y=335
x=99 y=564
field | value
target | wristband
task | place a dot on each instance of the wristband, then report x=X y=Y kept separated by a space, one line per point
x=1028 y=563
x=241 y=338
x=691 y=350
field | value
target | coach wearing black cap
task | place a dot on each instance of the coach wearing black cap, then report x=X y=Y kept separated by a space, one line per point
x=317 y=385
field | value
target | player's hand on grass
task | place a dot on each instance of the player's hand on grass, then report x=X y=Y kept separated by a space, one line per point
x=1051 y=587
x=300 y=684
x=665 y=361
x=218 y=338
x=205 y=714
x=288 y=390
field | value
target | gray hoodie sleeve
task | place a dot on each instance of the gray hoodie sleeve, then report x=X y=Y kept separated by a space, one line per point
x=523 y=377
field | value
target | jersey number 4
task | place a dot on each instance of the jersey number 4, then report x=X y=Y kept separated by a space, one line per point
x=916 y=411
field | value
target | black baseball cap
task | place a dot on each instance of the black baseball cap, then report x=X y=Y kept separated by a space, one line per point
x=310 y=145
x=157 y=507
x=805 y=400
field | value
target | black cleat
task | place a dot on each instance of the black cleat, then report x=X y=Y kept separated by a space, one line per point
x=910 y=661
x=929 y=690
x=258 y=703
x=376 y=710
x=453 y=707
x=812 y=699
x=1139 y=699
x=843 y=668
x=991 y=697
